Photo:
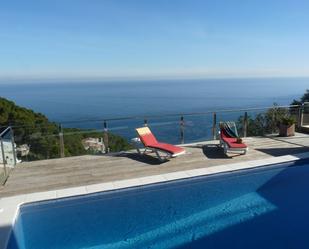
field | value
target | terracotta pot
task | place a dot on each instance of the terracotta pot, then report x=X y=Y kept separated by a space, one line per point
x=287 y=130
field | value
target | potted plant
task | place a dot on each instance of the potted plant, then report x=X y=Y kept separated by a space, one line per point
x=287 y=126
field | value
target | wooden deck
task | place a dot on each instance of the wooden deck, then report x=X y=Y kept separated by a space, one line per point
x=83 y=170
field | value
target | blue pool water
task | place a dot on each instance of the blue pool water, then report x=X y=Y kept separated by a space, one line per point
x=265 y=208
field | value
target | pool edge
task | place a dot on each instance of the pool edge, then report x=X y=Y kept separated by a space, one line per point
x=9 y=206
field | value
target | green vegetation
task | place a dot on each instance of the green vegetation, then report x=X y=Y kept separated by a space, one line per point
x=303 y=99
x=288 y=121
x=42 y=135
x=268 y=122
x=264 y=123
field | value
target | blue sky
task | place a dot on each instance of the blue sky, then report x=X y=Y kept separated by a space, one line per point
x=153 y=38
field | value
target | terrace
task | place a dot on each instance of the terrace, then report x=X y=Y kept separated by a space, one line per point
x=68 y=172
x=77 y=171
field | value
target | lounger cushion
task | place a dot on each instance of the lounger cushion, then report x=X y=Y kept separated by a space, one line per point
x=146 y=136
x=149 y=140
x=232 y=143
x=172 y=149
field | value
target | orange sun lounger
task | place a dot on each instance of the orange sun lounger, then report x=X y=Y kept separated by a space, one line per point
x=151 y=143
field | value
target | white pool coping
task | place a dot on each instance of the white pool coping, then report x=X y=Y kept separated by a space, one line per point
x=9 y=206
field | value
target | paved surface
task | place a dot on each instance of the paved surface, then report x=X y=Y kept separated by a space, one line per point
x=83 y=170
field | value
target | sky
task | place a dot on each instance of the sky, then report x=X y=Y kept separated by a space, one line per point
x=153 y=38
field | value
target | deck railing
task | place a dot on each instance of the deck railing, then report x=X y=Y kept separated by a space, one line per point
x=173 y=128
x=8 y=157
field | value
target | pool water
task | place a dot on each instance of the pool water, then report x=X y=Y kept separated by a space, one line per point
x=264 y=208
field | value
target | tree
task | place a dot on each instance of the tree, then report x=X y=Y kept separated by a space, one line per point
x=303 y=99
x=264 y=123
x=42 y=135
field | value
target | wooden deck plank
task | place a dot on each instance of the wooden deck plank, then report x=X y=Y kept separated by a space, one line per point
x=61 y=173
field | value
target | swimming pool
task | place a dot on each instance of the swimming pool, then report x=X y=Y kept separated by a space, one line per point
x=257 y=208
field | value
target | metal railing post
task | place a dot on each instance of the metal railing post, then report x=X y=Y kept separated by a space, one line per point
x=105 y=137
x=3 y=158
x=214 y=126
x=182 y=130
x=61 y=141
x=245 y=124
x=145 y=122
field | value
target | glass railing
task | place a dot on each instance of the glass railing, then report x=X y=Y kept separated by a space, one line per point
x=100 y=136
x=305 y=116
x=8 y=157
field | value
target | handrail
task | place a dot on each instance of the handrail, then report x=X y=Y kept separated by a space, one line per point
x=181 y=117
x=161 y=115
x=3 y=153
x=181 y=114
x=8 y=129
x=5 y=131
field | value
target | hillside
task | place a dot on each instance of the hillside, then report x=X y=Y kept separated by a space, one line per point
x=42 y=135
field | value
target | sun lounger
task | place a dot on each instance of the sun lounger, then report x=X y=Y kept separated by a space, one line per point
x=229 y=139
x=151 y=143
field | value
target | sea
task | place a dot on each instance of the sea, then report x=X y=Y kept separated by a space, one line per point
x=86 y=104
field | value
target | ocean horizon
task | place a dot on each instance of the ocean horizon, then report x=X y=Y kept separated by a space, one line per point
x=68 y=102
